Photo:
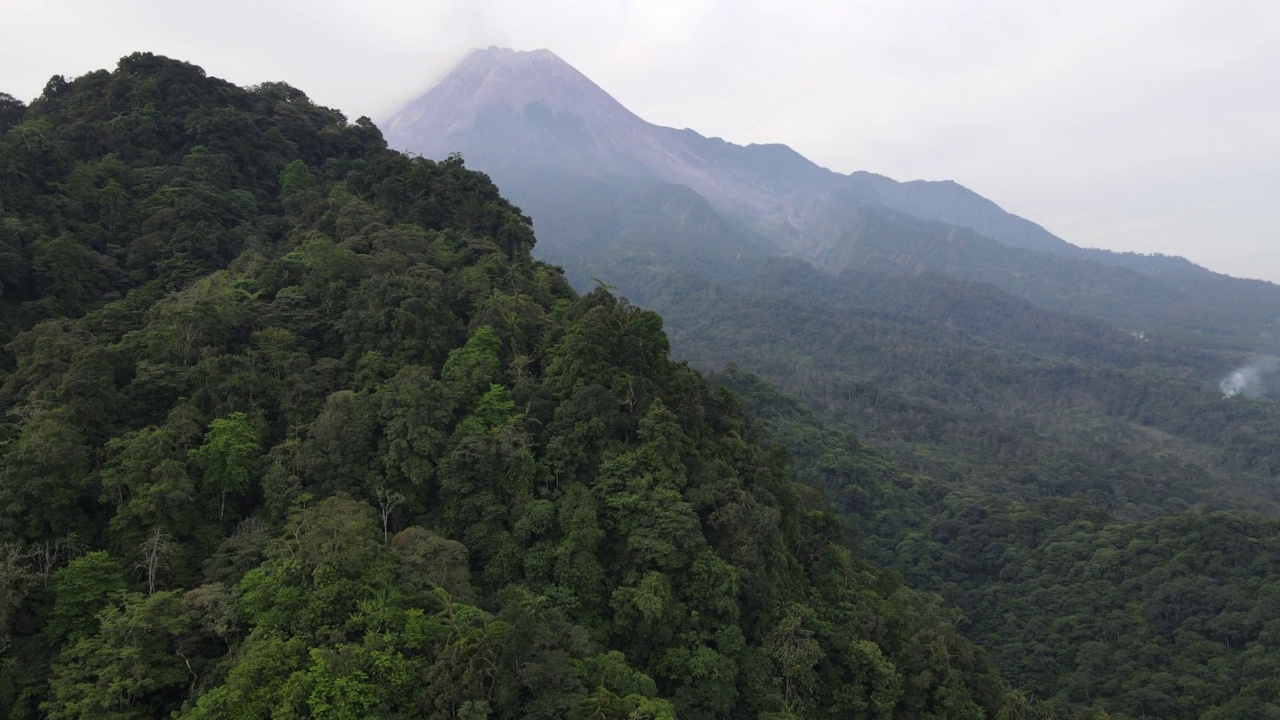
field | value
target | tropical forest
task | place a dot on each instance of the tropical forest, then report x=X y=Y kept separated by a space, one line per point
x=296 y=425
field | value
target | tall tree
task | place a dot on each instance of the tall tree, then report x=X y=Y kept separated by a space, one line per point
x=228 y=456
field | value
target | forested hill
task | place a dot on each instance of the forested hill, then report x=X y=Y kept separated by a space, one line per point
x=1038 y=432
x=1175 y=617
x=295 y=427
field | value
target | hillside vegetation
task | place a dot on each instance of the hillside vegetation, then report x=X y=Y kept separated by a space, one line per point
x=295 y=427
x=1034 y=430
x=1089 y=613
x=955 y=378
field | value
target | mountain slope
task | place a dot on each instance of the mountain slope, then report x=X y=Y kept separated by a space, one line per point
x=1033 y=392
x=299 y=428
x=520 y=116
x=1172 y=617
x=1018 y=410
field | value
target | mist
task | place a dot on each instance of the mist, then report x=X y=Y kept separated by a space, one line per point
x=1247 y=379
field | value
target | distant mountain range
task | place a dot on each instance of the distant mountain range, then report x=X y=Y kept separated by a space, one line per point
x=509 y=111
x=593 y=174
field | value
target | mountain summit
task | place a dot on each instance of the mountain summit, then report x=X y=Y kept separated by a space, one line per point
x=507 y=110
x=503 y=83
x=605 y=188
x=510 y=111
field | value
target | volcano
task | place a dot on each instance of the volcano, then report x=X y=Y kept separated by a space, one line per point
x=605 y=187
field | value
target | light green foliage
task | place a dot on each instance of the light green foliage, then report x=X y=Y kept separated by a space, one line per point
x=253 y=686
x=642 y=490
x=333 y=533
x=494 y=410
x=577 y=566
x=295 y=178
x=474 y=367
x=81 y=589
x=795 y=653
x=228 y=456
x=183 y=324
x=875 y=684
x=353 y=682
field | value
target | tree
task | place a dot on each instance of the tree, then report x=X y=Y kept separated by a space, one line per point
x=44 y=477
x=795 y=653
x=81 y=588
x=228 y=455
x=473 y=368
x=11 y=111
x=204 y=314
x=154 y=555
x=16 y=580
x=388 y=501
x=381 y=329
x=146 y=478
x=295 y=178
x=130 y=668
x=341 y=446
x=426 y=561
x=415 y=411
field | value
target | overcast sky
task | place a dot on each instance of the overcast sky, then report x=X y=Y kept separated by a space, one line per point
x=1143 y=125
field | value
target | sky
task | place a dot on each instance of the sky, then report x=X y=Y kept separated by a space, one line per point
x=1138 y=125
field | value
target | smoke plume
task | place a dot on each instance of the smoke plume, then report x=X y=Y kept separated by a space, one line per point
x=1246 y=379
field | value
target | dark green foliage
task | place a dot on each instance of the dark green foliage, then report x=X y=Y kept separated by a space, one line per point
x=1171 y=617
x=458 y=490
x=972 y=392
x=131 y=668
x=973 y=386
x=154 y=173
x=924 y=346
x=1040 y=432
x=11 y=111
x=80 y=589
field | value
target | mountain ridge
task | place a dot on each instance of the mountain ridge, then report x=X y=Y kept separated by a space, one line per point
x=758 y=178
x=556 y=122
